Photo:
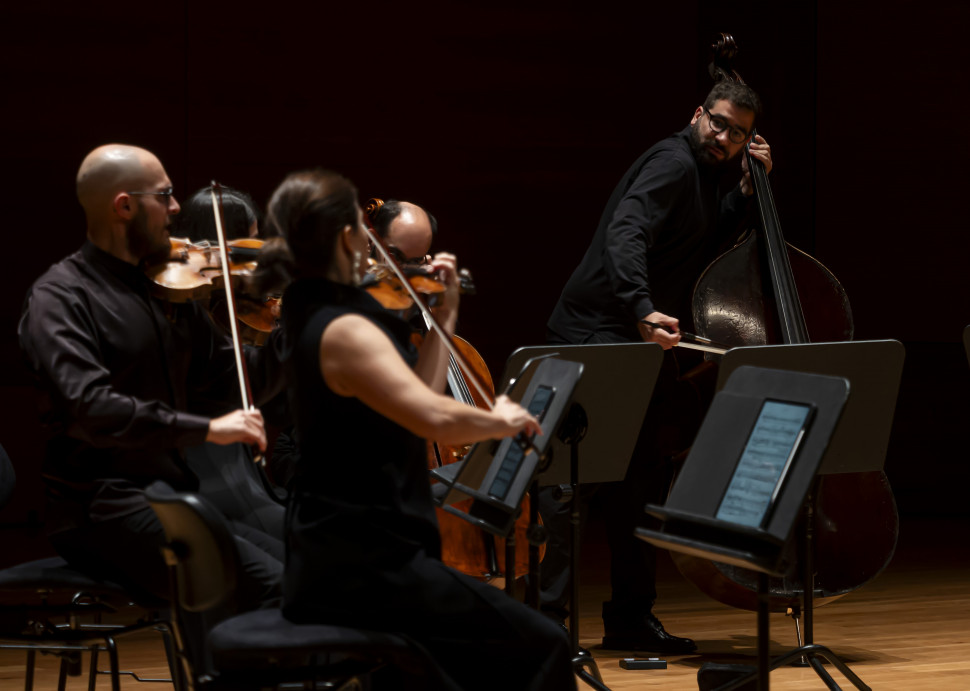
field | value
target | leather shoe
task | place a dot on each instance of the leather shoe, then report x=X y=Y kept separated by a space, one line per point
x=646 y=634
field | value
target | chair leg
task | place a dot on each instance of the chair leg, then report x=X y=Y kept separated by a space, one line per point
x=170 y=657
x=62 y=675
x=93 y=671
x=29 y=674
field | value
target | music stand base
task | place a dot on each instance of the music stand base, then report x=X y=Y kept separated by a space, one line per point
x=812 y=653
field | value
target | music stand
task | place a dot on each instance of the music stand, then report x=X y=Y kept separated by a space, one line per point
x=497 y=475
x=744 y=483
x=608 y=410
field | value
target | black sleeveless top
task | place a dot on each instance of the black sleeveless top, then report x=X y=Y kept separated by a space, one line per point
x=360 y=509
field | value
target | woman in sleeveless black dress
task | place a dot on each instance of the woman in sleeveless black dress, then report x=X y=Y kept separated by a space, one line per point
x=362 y=540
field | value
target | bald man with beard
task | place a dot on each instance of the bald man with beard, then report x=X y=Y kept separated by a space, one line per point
x=117 y=369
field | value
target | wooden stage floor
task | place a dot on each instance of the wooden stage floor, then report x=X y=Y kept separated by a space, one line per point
x=907 y=630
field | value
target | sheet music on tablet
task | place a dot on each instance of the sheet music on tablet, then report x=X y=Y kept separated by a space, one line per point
x=764 y=463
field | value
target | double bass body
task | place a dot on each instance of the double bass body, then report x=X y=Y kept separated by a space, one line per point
x=764 y=291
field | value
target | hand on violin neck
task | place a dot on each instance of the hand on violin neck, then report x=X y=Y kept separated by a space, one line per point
x=659 y=328
x=445 y=265
x=759 y=149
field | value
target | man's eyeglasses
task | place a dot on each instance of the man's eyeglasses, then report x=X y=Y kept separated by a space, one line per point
x=719 y=124
x=408 y=261
x=165 y=194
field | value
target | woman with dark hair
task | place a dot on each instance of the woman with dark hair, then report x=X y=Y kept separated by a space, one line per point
x=363 y=547
x=197 y=221
x=228 y=476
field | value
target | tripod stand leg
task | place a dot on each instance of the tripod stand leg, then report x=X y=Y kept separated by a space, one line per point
x=817 y=651
x=585 y=667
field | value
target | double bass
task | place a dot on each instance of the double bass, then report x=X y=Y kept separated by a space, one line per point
x=766 y=291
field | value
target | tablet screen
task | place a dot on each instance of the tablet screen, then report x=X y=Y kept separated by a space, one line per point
x=764 y=463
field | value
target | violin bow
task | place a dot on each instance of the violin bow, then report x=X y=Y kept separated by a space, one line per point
x=245 y=390
x=429 y=318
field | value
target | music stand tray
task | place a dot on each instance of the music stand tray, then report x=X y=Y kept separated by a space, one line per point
x=746 y=477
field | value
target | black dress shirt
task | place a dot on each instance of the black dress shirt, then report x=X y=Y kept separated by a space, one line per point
x=663 y=224
x=118 y=370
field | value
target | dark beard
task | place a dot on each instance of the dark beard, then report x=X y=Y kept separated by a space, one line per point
x=701 y=153
x=142 y=245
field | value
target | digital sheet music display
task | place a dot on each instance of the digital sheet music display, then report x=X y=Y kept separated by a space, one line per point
x=513 y=457
x=764 y=463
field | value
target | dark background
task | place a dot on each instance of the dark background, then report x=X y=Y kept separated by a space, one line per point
x=511 y=122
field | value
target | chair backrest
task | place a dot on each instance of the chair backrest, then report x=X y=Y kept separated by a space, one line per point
x=206 y=558
x=8 y=478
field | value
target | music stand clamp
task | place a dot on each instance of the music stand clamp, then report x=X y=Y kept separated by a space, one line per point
x=744 y=484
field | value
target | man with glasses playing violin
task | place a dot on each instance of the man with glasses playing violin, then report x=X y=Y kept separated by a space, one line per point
x=117 y=370
x=408 y=229
x=664 y=223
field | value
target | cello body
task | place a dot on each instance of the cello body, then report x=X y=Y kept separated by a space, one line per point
x=464 y=546
x=764 y=291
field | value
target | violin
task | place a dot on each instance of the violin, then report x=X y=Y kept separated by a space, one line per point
x=385 y=286
x=388 y=289
x=194 y=270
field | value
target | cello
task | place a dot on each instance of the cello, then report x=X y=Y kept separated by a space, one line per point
x=464 y=546
x=751 y=295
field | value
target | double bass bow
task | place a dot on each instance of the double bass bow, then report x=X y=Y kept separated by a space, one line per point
x=765 y=291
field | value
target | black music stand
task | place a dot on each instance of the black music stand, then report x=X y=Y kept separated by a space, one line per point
x=497 y=475
x=608 y=410
x=744 y=484
x=874 y=369
x=859 y=443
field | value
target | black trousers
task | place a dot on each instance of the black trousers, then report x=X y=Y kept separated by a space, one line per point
x=471 y=635
x=234 y=484
x=633 y=562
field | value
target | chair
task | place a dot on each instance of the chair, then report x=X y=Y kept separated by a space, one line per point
x=261 y=648
x=47 y=606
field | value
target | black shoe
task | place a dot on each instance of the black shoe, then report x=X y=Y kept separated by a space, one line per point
x=647 y=634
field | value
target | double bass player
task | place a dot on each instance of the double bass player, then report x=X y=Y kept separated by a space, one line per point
x=663 y=224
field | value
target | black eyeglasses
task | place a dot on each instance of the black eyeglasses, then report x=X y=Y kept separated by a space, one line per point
x=165 y=194
x=408 y=261
x=719 y=124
